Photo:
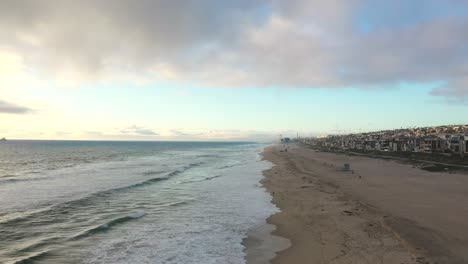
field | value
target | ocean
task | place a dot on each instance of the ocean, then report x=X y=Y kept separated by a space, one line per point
x=129 y=202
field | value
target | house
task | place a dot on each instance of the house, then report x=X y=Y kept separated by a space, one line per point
x=384 y=145
x=414 y=144
x=465 y=140
x=450 y=139
x=400 y=144
x=456 y=144
x=433 y=144
x=358 y=145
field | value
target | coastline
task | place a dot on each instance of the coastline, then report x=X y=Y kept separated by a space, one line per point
x=262 y=245
x=333 y=216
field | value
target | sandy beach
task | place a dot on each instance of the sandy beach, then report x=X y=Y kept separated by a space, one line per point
x=383 y=212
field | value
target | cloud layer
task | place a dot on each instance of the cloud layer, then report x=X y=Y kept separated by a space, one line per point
x=138 y=131
x=142 y=133
x=296 y=43
x=9 y=108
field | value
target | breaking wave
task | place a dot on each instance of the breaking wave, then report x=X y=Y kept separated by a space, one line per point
x=7 y=180
x=32 y=258
x=200 y=180
x=106 y=226
x=64 y=208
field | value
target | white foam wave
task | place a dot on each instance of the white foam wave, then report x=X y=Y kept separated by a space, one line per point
x=209 y=229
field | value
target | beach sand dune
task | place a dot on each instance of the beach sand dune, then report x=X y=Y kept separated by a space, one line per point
x=383 y=212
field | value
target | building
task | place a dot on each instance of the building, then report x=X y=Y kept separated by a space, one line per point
x=433 y=144
x=440 y=139
x=456 y=144
x=464 y=144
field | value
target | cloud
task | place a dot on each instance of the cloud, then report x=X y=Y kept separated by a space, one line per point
x=456 y=91
x=236 y=135
x=135 y=132
x=298 y=43
x=221 y=135
x=111 y=36
x=138 y=131
x=9 y=108
x=179 y=133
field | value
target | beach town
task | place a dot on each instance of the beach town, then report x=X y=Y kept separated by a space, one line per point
x=394 y=196
x=450 y=140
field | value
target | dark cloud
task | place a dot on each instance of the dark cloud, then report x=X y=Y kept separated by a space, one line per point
x=297 y=43
x=9 y=108
x=455 y=91
x=125 y=35
x=427 y=52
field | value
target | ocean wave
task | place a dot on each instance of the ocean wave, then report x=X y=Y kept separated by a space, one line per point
x=33 y=258
x=151 y=172
x=196 y=164
x=200 y=180
x=9 y=180
x=208 y=156
x=38 y=245
x=65 y=207
x=18 y=216
x=106 y=226
x=153 y=180
x=230 y=166
x=177 y=203
x=41 y=249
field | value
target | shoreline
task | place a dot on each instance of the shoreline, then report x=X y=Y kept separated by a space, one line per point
x=332 y=216
x=262 y=245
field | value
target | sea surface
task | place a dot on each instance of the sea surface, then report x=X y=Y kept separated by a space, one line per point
x=129 y=202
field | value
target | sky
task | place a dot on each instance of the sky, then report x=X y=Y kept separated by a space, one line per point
x=229 y=70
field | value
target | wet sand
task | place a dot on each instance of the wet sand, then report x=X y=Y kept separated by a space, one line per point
x=384 y=212
x=262 y=246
